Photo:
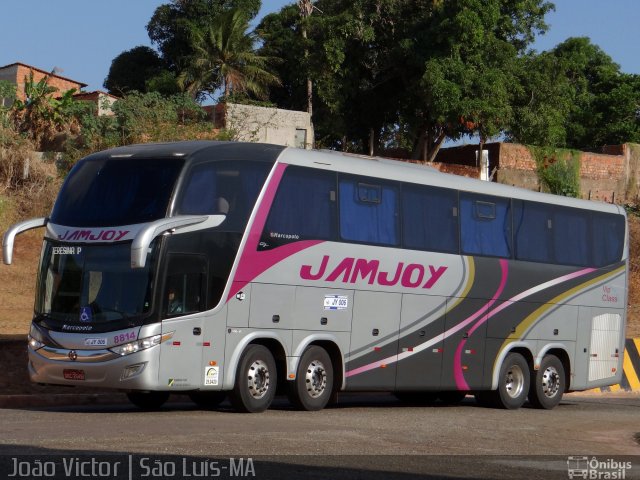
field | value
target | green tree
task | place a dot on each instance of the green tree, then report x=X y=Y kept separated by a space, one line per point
x=280 y=37
x=41 y=117
x=470 y=74
x=132 y=69
x=172 y=24
x=604 y=101
x=153 y=117
x=224 y=58
x=7 y=98
x=382 y=70
x=575 y=96
x=541 y=103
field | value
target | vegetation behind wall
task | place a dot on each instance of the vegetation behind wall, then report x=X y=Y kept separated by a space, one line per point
x=558 y=170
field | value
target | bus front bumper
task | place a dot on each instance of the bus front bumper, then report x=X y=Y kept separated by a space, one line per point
x=95 y=368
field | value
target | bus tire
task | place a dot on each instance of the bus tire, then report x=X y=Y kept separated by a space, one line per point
x=313 y=387
x=256 y=380
x=148 y=400
x=208 y=399
x=548 y=383
x=513 y=383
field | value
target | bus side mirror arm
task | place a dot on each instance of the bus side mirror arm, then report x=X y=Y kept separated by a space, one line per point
x=143 y=239
x=10 y=236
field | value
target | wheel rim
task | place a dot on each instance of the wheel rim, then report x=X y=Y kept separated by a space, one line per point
x=514 y=381
x=550 y=382
x=316 y=379
x=258 y=379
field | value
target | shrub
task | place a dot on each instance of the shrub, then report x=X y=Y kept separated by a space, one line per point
x=558 y=170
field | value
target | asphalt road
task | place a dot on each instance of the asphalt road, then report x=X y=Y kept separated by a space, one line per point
x=364 y=436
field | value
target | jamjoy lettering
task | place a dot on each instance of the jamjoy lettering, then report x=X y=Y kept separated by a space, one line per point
x=350 y=270
x=94 y=236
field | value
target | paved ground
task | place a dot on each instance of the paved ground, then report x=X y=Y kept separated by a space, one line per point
x=364 y=436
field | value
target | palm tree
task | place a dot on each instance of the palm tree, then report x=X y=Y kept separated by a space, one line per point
x=224 y=57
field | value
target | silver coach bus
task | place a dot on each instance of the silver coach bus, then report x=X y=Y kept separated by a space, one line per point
x=214 y=268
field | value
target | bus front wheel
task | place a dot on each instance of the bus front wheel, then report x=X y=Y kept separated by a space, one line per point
x=256 y=380
x=148 y=400
x=548 y=383
x=312 y=388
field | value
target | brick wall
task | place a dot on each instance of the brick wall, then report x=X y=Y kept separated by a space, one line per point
x=18 y=73
x=453 y=168
x=462 y=170
x=612 y=176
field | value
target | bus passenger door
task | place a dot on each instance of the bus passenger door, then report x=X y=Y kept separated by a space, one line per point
x=184 y=297
x=420 y=345
x=372 y=360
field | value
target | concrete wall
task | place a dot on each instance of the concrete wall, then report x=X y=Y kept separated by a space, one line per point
x=102 y=101
x=269 y=125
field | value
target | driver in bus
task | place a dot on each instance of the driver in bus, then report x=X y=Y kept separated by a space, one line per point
x=175 y=305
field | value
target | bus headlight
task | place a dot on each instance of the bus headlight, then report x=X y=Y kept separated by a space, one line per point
x=35 y=338
x=34 y=343
x=141 y=344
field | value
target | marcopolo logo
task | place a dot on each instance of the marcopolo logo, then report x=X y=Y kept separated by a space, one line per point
x=597 y=469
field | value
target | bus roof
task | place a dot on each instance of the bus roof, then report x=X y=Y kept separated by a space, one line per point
x=195 y=151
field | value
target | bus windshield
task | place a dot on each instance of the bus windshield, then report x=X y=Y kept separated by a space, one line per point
x=106 y=192
x=89 y=285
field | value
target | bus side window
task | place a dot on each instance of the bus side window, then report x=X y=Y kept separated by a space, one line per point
x=570 y=223
x=485 y=225
x=223 y=187
x=304 y=208
x=430 y=218
x=369 y=211
x=185 y=285
x=533 y=227
x=608 y=238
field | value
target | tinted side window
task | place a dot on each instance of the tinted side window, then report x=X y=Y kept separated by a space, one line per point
x=229 y=188
x=430 y=218
x=368 y=211
x=608 y=238
x=567 y=236
x=571 y=236
x=485 y=225
x=533 y=225
x=304 y=208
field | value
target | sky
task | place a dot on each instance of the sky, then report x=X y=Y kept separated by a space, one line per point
x=80 y=38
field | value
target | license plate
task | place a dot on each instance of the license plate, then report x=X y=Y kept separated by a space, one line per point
x=70 y=374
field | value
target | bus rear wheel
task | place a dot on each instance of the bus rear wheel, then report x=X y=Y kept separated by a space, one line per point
x=548 y=383
x=256 y=380
x=513 y=384
x=148 y=400
x=313 y=386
